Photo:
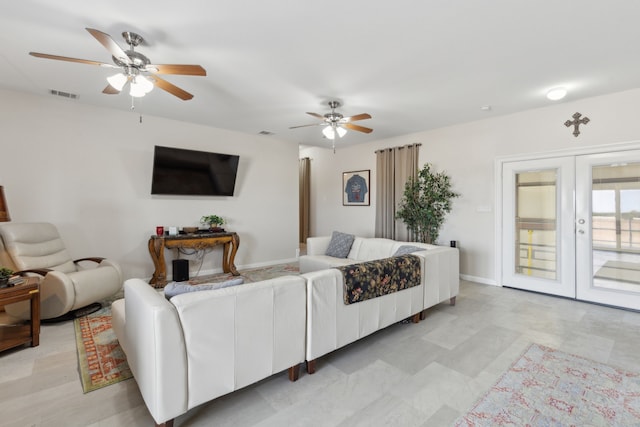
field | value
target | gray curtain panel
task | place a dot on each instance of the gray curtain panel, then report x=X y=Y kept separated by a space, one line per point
x=393 y=167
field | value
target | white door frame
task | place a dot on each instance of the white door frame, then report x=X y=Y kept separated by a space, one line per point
x=498 y=165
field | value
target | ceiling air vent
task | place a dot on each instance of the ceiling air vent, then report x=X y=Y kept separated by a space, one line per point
x=63 y=94
x=265 y=132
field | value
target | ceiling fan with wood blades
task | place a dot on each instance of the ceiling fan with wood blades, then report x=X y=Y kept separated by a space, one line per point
x=336 y=124
x=136 y=69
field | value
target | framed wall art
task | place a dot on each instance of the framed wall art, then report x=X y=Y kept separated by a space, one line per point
x=356 y=188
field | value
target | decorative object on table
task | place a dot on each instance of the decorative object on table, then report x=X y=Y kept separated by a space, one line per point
x=4 y=208
x=159 y=230
x=213 y=221
x=190 y=230
x=426 y=201
x=547 y=387
x=355 y=188
x=5 y=275
x=576 y=122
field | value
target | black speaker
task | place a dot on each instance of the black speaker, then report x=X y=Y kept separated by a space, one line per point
x=180 y=270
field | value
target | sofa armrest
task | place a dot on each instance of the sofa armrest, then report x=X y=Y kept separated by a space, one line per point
x=318 y=245
x=155 y=350
x=440 y=274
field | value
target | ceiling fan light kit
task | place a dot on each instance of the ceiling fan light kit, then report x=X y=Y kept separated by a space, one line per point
x=134 y=65
x=336 y=124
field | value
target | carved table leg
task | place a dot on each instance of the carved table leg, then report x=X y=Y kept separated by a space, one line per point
x=156 y=250
x=229 y=265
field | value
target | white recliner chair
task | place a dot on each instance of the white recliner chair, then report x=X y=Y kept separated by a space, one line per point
x=67 y=285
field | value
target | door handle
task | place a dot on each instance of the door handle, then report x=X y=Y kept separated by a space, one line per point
x=581 y=231
x=581 y=221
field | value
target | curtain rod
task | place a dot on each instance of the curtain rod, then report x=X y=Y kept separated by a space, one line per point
x=417 y=144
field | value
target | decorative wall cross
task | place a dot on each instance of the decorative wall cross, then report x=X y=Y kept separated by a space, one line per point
x=576 y=122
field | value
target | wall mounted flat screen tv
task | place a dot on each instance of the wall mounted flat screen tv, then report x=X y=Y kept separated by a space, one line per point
x=178 y=171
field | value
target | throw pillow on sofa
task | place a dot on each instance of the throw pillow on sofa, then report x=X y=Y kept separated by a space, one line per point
x=176 y=288
x=407 y=249
x=340 y=244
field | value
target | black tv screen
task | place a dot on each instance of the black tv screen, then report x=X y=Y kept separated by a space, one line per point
x=178 y=171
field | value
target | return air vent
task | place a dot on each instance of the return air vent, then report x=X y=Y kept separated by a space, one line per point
x=63 y=94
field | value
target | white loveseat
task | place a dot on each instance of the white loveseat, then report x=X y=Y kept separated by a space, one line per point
x=331 y=324
x=202 y=345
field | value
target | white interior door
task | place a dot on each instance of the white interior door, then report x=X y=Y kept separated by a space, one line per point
x=608 y=228
x=538 y=225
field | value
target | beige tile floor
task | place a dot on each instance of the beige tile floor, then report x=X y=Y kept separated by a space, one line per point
x=422 y=374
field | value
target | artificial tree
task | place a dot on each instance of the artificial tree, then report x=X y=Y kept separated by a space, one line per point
x=426 y=201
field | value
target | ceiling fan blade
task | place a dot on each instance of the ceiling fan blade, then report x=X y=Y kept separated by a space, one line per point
x=358 y=128
x=113 y=48
x=182 y=69
x=171 y=88
x=110 y=90
x=304 y=126
x=66 y=58
x=362 y=116
x=316 y=115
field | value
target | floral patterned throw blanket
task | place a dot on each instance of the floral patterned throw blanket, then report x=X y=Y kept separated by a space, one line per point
x=372 y=279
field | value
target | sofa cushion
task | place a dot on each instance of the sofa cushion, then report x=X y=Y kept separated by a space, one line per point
x=407 y=249
x=176 y=288
x=340 y=244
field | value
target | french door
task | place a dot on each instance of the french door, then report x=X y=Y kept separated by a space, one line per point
x=571 y=227
x=608 y=228
x=538 y=226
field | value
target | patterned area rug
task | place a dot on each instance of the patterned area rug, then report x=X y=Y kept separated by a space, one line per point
x=546 y=387
x=101 y=359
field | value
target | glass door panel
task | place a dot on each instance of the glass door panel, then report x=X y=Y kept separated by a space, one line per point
x=538 y=225
x=535 y=223
x=608 y=226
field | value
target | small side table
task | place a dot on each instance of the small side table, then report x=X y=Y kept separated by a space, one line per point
x=27 y=332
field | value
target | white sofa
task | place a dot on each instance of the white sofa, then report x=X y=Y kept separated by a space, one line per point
x=331 y=324
x=202 y=345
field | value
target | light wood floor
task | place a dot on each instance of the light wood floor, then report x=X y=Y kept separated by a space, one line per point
x=422 y=374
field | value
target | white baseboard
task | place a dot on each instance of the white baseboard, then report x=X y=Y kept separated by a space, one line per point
x=482 y=280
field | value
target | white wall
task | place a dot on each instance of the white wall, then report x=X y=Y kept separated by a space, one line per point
x=88 y=171
x=468 y=153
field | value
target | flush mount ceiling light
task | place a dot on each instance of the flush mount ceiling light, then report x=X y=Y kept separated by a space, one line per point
x=556 y=94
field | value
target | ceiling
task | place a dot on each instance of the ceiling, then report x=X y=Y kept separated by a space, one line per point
x=412 y=65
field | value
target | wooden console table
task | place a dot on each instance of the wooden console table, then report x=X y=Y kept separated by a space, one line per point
x=25 y=332
x=199 y=241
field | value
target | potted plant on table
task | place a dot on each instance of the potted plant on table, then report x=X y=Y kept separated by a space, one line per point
x=213 y=221
x=5 y=275
x=426 y=201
